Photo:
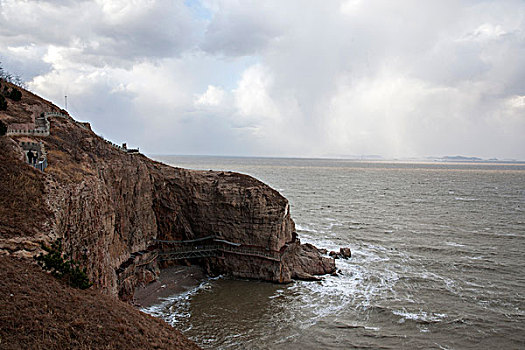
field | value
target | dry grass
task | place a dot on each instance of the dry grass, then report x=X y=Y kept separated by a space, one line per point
x=73 y=152
x=22 y=206
x=62 y=168
x=60 y=317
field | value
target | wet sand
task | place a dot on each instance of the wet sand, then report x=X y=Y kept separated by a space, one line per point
x=173 y=280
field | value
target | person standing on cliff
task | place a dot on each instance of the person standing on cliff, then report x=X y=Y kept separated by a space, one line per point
x=35 y=157
x=30 y=157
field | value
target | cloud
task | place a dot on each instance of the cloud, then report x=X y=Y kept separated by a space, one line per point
x=102 y=32
x=398 y=116
x=289 y=78
x=251 y=95
x=486 y=31
x=517 y=102
x=212 y=97
x=259 y=22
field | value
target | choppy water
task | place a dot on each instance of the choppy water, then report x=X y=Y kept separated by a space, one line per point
x=438 y=260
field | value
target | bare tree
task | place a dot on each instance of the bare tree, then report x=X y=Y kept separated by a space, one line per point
x=10 y=78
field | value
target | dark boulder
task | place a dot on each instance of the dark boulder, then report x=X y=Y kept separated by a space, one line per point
x=345 y=253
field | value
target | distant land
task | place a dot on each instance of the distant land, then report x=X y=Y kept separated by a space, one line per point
x=456 y=158
x=462 y=158
x=370 y=158
x=474 y=159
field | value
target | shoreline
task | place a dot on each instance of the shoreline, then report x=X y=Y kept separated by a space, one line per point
x=173 y=280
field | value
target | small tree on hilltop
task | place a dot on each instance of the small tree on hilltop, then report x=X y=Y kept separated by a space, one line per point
x=13 y=79
x=2 y=73
x=62 y=267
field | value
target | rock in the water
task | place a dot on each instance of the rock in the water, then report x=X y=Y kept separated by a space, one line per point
x=334 y=255
x=345 y=253
x=302 y=259
x=307 y=277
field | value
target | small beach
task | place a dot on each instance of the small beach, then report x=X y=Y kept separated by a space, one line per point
x=172 y=281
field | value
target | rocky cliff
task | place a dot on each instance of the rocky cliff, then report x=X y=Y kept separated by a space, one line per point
x=110 y=206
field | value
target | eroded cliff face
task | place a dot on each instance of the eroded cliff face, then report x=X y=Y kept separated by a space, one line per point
x=107 y=217
x=109 y=206
x=235 y=207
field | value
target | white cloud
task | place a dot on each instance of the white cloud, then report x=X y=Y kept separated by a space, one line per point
x=350 y=7
x=517 y=102
x=486 y=31
x=396 y=116
x=213 y=96
x=251 y=95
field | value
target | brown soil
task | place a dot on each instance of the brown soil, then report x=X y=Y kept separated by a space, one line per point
x=39 y=312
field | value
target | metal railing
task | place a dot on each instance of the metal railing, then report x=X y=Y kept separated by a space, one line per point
x=202 y=251
x=266 y=254
x=41 y=165
x=193 y=249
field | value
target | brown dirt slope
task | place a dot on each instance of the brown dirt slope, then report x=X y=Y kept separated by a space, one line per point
x=60 y=317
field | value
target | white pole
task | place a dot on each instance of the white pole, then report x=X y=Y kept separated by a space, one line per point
x=65 y=97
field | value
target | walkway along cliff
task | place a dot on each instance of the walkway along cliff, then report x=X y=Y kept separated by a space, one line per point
x=123 y=215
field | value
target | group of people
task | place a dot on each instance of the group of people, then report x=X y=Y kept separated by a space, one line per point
x=32 y=157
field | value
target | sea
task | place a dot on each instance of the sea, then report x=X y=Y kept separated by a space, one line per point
x=438 y=260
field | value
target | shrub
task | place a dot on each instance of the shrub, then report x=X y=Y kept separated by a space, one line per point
x=3 y=103
x=15 y=94
x=62 y=267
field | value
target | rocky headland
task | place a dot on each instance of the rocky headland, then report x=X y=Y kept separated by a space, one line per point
x=118 y=211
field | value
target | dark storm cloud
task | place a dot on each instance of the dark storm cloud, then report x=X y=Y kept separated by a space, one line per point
x=239 y=30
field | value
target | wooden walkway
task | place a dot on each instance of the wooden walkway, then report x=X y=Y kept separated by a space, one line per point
x=205 y=247
x=213 y=250
x=211 y=246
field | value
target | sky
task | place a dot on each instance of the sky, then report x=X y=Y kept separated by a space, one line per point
x=291 y=78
